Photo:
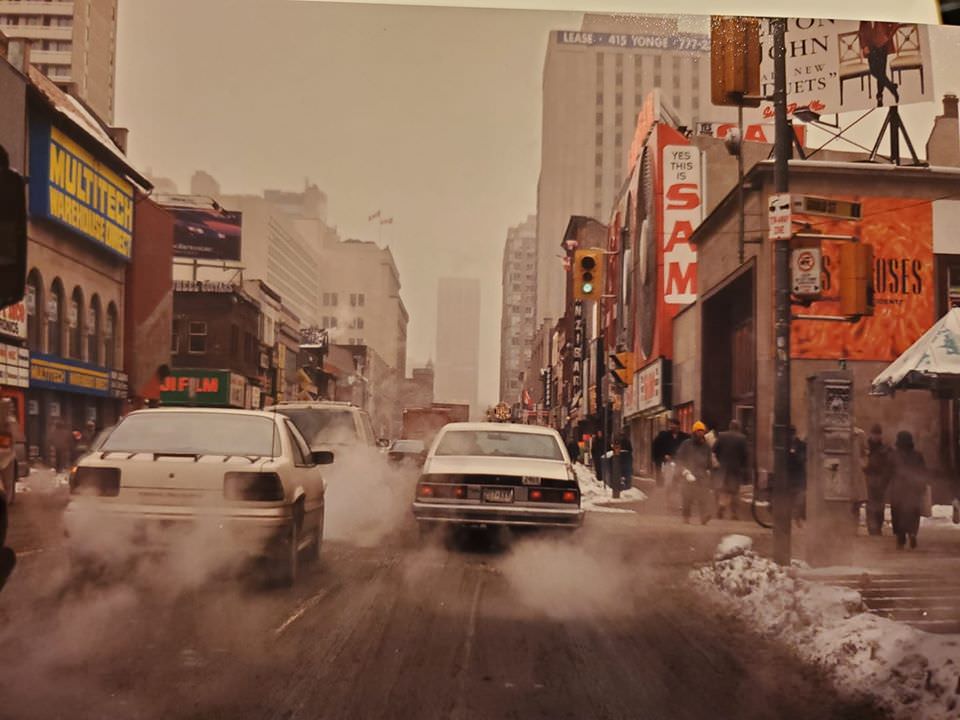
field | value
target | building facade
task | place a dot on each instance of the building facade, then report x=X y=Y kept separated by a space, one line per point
x=595 y=83
x=517 y=319
x=72 y=42
x=360 y=302
x=458 y=342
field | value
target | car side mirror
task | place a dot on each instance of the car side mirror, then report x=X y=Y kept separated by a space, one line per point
x=383 y=442
x=322 y=457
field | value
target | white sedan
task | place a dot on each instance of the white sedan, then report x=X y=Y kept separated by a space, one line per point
x=498 y=474
x=221 y=485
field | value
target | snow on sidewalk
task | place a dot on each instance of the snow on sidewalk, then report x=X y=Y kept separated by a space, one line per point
x=597 y=497
x=913 y=674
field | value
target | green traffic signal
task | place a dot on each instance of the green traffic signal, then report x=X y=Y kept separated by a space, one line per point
x=587 y=288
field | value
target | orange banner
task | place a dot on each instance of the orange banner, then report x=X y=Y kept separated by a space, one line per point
x=901 y=232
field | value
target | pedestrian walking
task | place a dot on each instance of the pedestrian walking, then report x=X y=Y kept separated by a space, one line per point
x=597 y=451
x=626 y=461
x=665 y=446
x=573 y=450
x=62 y=442
x=730 y=449
x=695 y=460
x=908 y=489
x=797 y=476
x=877 y=469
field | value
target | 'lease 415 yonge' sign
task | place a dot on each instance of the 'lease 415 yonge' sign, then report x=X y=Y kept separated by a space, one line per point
x=69 y=186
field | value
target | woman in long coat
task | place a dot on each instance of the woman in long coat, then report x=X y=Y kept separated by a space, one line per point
x=907 y=490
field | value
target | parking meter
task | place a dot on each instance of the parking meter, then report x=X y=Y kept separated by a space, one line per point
x=831 y=465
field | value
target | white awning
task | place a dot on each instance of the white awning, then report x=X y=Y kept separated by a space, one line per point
x=931 y=361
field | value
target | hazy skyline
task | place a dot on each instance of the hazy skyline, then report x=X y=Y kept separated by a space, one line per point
x=431 y=115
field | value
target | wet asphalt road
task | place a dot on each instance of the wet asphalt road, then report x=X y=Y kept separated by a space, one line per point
x=601 y=625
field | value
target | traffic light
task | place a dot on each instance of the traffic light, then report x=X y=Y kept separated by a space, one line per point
x=735 y=61
x=856 y=279
x=621 y=367
x=13 y=234
x=588 y=274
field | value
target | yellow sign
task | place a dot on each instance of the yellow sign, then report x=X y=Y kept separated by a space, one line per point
x=87 y=196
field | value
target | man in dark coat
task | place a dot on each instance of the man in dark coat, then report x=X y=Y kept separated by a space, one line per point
x=797 y=475
x=877 y=471
x=665 y=446
x=626 y=461
x=732 y=457
x=694 y=460
x=907 y=490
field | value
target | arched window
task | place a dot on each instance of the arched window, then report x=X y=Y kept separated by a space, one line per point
x=76 y=321
x=35 y=310
x=110 y=337
x=94 y=330
x=55 y=318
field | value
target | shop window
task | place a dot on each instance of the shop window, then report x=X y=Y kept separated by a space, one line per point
x=93 y=330
x=55 y=318
x=198 y=337
x=34 y=300
x=111 y=337
x=75 y=323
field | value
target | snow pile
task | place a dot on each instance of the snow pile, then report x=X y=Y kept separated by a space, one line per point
x=914 y=675
x=942 y=516
x=597 y=497
x=732 y=546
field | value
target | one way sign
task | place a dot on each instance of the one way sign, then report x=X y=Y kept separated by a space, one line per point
x=779 y=218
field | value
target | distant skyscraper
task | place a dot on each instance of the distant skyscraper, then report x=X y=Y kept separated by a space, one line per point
x=458 y=342
x=517 y=321
x=73 y=43
x=595 y=81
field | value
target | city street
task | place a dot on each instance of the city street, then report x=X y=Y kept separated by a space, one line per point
x=599 y=626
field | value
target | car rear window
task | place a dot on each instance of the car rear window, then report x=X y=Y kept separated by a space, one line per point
x=321 y=426
x=493 y=443
x=195 y=433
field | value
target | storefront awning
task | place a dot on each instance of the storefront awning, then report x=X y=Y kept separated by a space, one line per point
x=931 y=363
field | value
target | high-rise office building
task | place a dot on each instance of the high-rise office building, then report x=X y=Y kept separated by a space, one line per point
x=73 y=42
x=517 y=321
x=595 y=80
x=458 y=342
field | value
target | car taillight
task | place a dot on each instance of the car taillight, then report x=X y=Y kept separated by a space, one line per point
x=569 y=496
x=425 y=491
x=442 y=491
x=460 y=492
x=102 y=482
x=6 y=441
x=535 y=495
x=253 y=486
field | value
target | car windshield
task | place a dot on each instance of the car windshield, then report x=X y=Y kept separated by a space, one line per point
x=485 y=443
x=323 y=426
x=195 y=433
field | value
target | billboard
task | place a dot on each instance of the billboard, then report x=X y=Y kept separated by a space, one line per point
x=13 y=320
x=680 y=42
x=836 y=66
x=202 y=229
x=190 y=386
x=901 y=232
x=71 y=187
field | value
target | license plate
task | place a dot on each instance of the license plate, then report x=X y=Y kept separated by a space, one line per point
x=498 y=495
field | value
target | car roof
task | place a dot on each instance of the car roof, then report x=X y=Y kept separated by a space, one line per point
x=204 y=410
x=314 y=405
x=501 y=427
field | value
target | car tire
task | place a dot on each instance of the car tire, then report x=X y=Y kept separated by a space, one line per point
x=292 y=568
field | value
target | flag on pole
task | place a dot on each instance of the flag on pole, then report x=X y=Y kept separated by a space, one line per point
x=387 y=221
x=373 y=217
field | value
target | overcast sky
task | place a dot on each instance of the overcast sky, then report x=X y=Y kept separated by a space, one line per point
x=429 y=114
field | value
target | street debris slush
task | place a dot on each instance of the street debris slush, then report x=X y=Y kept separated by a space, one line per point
x=597 y=497
x=909 y=673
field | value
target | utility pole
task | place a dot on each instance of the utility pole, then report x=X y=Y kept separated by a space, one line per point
x=782 y=501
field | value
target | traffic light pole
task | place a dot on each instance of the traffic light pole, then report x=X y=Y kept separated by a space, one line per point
x=782 y=500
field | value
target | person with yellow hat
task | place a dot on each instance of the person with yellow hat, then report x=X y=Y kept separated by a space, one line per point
x=694 y=460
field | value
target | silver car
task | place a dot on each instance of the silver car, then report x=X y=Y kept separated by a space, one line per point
x=243 y=482
x=484 y=474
